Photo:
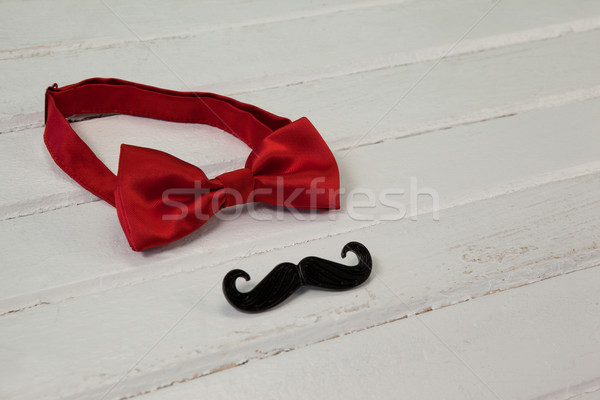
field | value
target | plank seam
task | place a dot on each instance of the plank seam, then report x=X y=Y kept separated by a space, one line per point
x=21 y=122
x=277 y=351
x=52 y=295
x=479 y=116
x=584 y=388
x=108 y=43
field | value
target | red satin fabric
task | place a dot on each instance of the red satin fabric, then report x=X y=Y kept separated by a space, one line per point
x=160 y=198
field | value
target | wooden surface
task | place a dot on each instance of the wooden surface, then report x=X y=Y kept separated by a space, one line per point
x=494 y=106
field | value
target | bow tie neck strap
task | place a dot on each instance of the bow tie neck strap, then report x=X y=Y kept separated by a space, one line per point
x=98 y=95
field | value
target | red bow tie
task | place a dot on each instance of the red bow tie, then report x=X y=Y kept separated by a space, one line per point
x=160 y=198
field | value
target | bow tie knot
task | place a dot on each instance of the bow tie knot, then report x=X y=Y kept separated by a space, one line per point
x=238 y=186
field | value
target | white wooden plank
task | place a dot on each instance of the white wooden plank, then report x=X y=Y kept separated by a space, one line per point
x=589 y=394
x=180 y=327
x=399 y=362
x=294 y=51
x=121 y=324
x=463 y=164
x=461 y=90
x=540 y=341
x=35 y=28
x=27 y=33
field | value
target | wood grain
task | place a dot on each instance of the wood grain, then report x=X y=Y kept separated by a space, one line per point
x=105 y=24
x=295 y=51
x=463 y=164
x=461 y=90
x=148 y=335
x=512 y=345
x=492 y=105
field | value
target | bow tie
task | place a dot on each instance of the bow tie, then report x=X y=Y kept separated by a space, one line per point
x=160 y=198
